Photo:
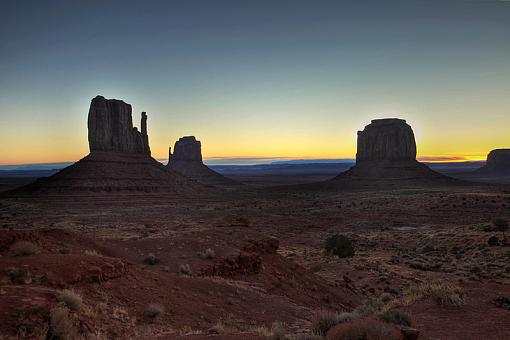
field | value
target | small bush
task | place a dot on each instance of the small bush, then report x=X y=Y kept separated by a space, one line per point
x=70 y=299
x=396 y=317
x=19 y=275
x=152 y=311
x=62 y=325
x=151 y=260
x=364 y=329
x=324 y=320
x=339 y=245
x=185 y=269
x=24 y=248
x=216 y=329
x=207 y=254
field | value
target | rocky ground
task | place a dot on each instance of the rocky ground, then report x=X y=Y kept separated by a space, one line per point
x=252 y=265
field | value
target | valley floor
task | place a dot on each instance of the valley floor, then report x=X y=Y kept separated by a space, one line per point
x=242 y=263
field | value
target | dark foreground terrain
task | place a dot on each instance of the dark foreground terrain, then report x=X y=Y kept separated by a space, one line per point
x=252 y=265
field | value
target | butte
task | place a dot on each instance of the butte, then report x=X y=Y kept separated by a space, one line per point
x=187 y=160
x=119 y=159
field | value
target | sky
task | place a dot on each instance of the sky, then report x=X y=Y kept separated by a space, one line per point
x=256 y=79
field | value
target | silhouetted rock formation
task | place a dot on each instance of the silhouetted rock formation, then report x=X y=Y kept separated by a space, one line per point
x=498 y=162
x=187 y=160
x=119 y=159
x=110 y=125
x=387 y=150
x=386 y=140
x=187 y=149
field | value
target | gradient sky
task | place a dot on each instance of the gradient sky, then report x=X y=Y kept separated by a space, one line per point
x=256 y=78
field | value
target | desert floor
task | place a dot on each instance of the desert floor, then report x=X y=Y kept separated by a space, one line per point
x=267 y=263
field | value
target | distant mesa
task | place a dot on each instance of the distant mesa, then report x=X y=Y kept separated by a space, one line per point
x=119 y=159
x=187 y=160
x=387 y=150
x=498 y=163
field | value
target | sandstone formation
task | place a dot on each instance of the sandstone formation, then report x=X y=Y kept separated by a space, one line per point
x=187 y=160
x=187 y=149
x=386 y=140
x=387 y=150
x=498 y=162
x=110 y=128
x=119 y=159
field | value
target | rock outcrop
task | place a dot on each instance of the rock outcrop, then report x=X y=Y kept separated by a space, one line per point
x=498 y=162
x=187 y=160
x=386 y=140
x=187 y=149
x=387 y=150
x=119 y=159
x=110 y=128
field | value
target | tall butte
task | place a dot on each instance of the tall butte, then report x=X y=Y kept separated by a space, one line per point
x=119 y=159
x=187 y=160
x=387 y=150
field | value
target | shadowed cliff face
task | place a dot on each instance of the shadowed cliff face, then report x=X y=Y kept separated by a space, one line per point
x=386 y=140
x=498 y=163
x=110 y=128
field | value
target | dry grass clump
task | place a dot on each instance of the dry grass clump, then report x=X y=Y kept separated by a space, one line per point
x=153 y=310
x=62 y=324
x=24 y=248
x=216 y=329
x=185 y=269
x=70 y=298
x=364 y=329
x=277 y=331
x=324 y=320
x=443 y=293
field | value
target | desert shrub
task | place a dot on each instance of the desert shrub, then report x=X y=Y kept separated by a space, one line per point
x=185 y=269
x=216 y=329
x=24 y=248
x=152 y=311
x=207 y=254
x=62 y=325
x=493 y=241
x=339 y=245
x=70 y=298
x=385 y=297
x=396 y=317
x=19 y=275
x=277 y=331
x=324 y=320
x=364 y=329
x=151 y=260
